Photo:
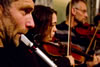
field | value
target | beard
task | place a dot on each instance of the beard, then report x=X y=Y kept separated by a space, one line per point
x=10 y=30
x=8 y=41
x=7 y=29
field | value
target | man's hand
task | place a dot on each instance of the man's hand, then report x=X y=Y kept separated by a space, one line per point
x=96 y=60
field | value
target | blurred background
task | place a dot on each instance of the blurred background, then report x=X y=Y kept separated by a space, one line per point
x=60 y=6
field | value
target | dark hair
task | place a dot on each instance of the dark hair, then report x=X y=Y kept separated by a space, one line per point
x=6 y=3
x=43 y=17
x=73 y=3
x=34 y=1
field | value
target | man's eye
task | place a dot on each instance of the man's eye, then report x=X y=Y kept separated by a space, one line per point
x=28 y=10
x=25 y=11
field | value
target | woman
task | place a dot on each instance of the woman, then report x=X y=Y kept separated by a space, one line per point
x=45 y=27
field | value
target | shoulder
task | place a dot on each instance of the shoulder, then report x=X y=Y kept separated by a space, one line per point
x=62 y=26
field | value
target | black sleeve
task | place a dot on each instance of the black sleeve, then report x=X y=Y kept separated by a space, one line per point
x=98 y=65
x=63 y=62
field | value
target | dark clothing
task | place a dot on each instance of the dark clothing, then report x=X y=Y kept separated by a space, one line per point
x=62 y=35
x=17 y=57
x=22 y=57
x=98 y=65
x=78 y=40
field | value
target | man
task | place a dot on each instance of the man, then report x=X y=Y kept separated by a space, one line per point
x=15 y=19
x=78 y=18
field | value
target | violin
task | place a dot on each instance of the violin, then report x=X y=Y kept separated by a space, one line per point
x=57 y=50
x=86 y=30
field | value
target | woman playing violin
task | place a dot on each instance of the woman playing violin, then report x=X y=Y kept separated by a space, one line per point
x=45 y=28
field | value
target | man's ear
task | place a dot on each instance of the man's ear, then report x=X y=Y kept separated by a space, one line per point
x=73 y=11
x=1 y=10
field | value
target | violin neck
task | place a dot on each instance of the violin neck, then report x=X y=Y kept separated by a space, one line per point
x=87 y=57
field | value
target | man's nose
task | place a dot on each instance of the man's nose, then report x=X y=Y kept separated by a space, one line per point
x=31 y=23
x=86 y=15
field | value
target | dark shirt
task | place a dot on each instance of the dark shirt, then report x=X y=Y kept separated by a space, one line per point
x=62 y=35
x=22 y=57
x=17 y=57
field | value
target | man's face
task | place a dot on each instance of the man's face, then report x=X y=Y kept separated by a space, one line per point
x=18 y=21
x=81 y=12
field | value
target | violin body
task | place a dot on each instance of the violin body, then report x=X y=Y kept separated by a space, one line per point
x=58 y=51
x=54 y=50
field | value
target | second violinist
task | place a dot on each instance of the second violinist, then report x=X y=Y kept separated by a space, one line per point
x=79 y=16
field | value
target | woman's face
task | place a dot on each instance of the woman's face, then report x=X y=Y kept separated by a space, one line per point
x=51 y=31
